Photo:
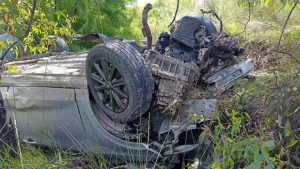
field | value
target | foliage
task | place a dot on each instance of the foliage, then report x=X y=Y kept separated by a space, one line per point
x=238 y=147
x=254 y=3
x=252 y=133
x=35 y=157
x=43 y=23
x=95 y=15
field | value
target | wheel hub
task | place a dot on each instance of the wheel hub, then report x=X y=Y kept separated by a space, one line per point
x=110 y=86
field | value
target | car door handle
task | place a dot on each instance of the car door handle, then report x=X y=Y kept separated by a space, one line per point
x=29 y=141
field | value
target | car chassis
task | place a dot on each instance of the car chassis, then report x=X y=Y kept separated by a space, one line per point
x=50 y=101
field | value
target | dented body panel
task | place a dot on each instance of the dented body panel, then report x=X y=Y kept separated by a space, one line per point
x=58 y=117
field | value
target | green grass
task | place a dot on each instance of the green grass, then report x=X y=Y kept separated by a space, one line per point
x=41 y=158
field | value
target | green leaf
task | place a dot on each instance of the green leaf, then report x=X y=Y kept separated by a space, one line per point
x=236 y=119
x=247 y=115
x=287 y=128
x=246 y=153
x=231 y=162
x=35 y=29
x=292 y=143
x=287 y=133
x=293 y=34
x=266 y=147
x=280 y=137
x=297 y=159
x=58 y=15
x=253 y=165
x=240 y=143
x=269 y=144
x=284 y=2
x=202 y=136
x=234 y=128
x=254 y=140
x=280 y=121
x=266 y=2
x=270 y=166
x=257 y=157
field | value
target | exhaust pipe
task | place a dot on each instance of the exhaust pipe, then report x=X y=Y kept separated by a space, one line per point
x=146 y=29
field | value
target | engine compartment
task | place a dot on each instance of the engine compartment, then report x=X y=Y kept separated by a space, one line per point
x=199 y=48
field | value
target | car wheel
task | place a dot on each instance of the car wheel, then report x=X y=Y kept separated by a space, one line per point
x=61 y=45
x=119 y=80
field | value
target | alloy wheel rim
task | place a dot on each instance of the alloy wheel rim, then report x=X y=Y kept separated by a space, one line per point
x=109 y=85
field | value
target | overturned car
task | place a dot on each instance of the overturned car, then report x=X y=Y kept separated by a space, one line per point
x=133 y=104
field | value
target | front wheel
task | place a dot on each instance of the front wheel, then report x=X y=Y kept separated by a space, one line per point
x=119 y=80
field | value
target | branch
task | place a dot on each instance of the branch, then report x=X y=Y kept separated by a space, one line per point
x=75 y=8
x=221 y=24
x=215 y=14
x=277 y=51
x=26 y=33
x=249 y=17
x=278 y=45
x=175 y=13
x=286 y=53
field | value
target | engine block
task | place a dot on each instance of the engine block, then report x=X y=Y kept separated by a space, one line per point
x=172 y=77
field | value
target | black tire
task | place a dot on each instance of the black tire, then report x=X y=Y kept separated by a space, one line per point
x=131 y=68
x=7 y=132
x=61 y=45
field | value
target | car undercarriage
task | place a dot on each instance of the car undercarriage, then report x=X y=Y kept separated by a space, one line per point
x=136 y=104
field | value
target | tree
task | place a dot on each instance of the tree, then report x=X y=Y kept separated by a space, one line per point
x=42 y=23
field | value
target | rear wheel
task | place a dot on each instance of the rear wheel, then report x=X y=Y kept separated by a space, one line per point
x=60 y=45
x=119 y=81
